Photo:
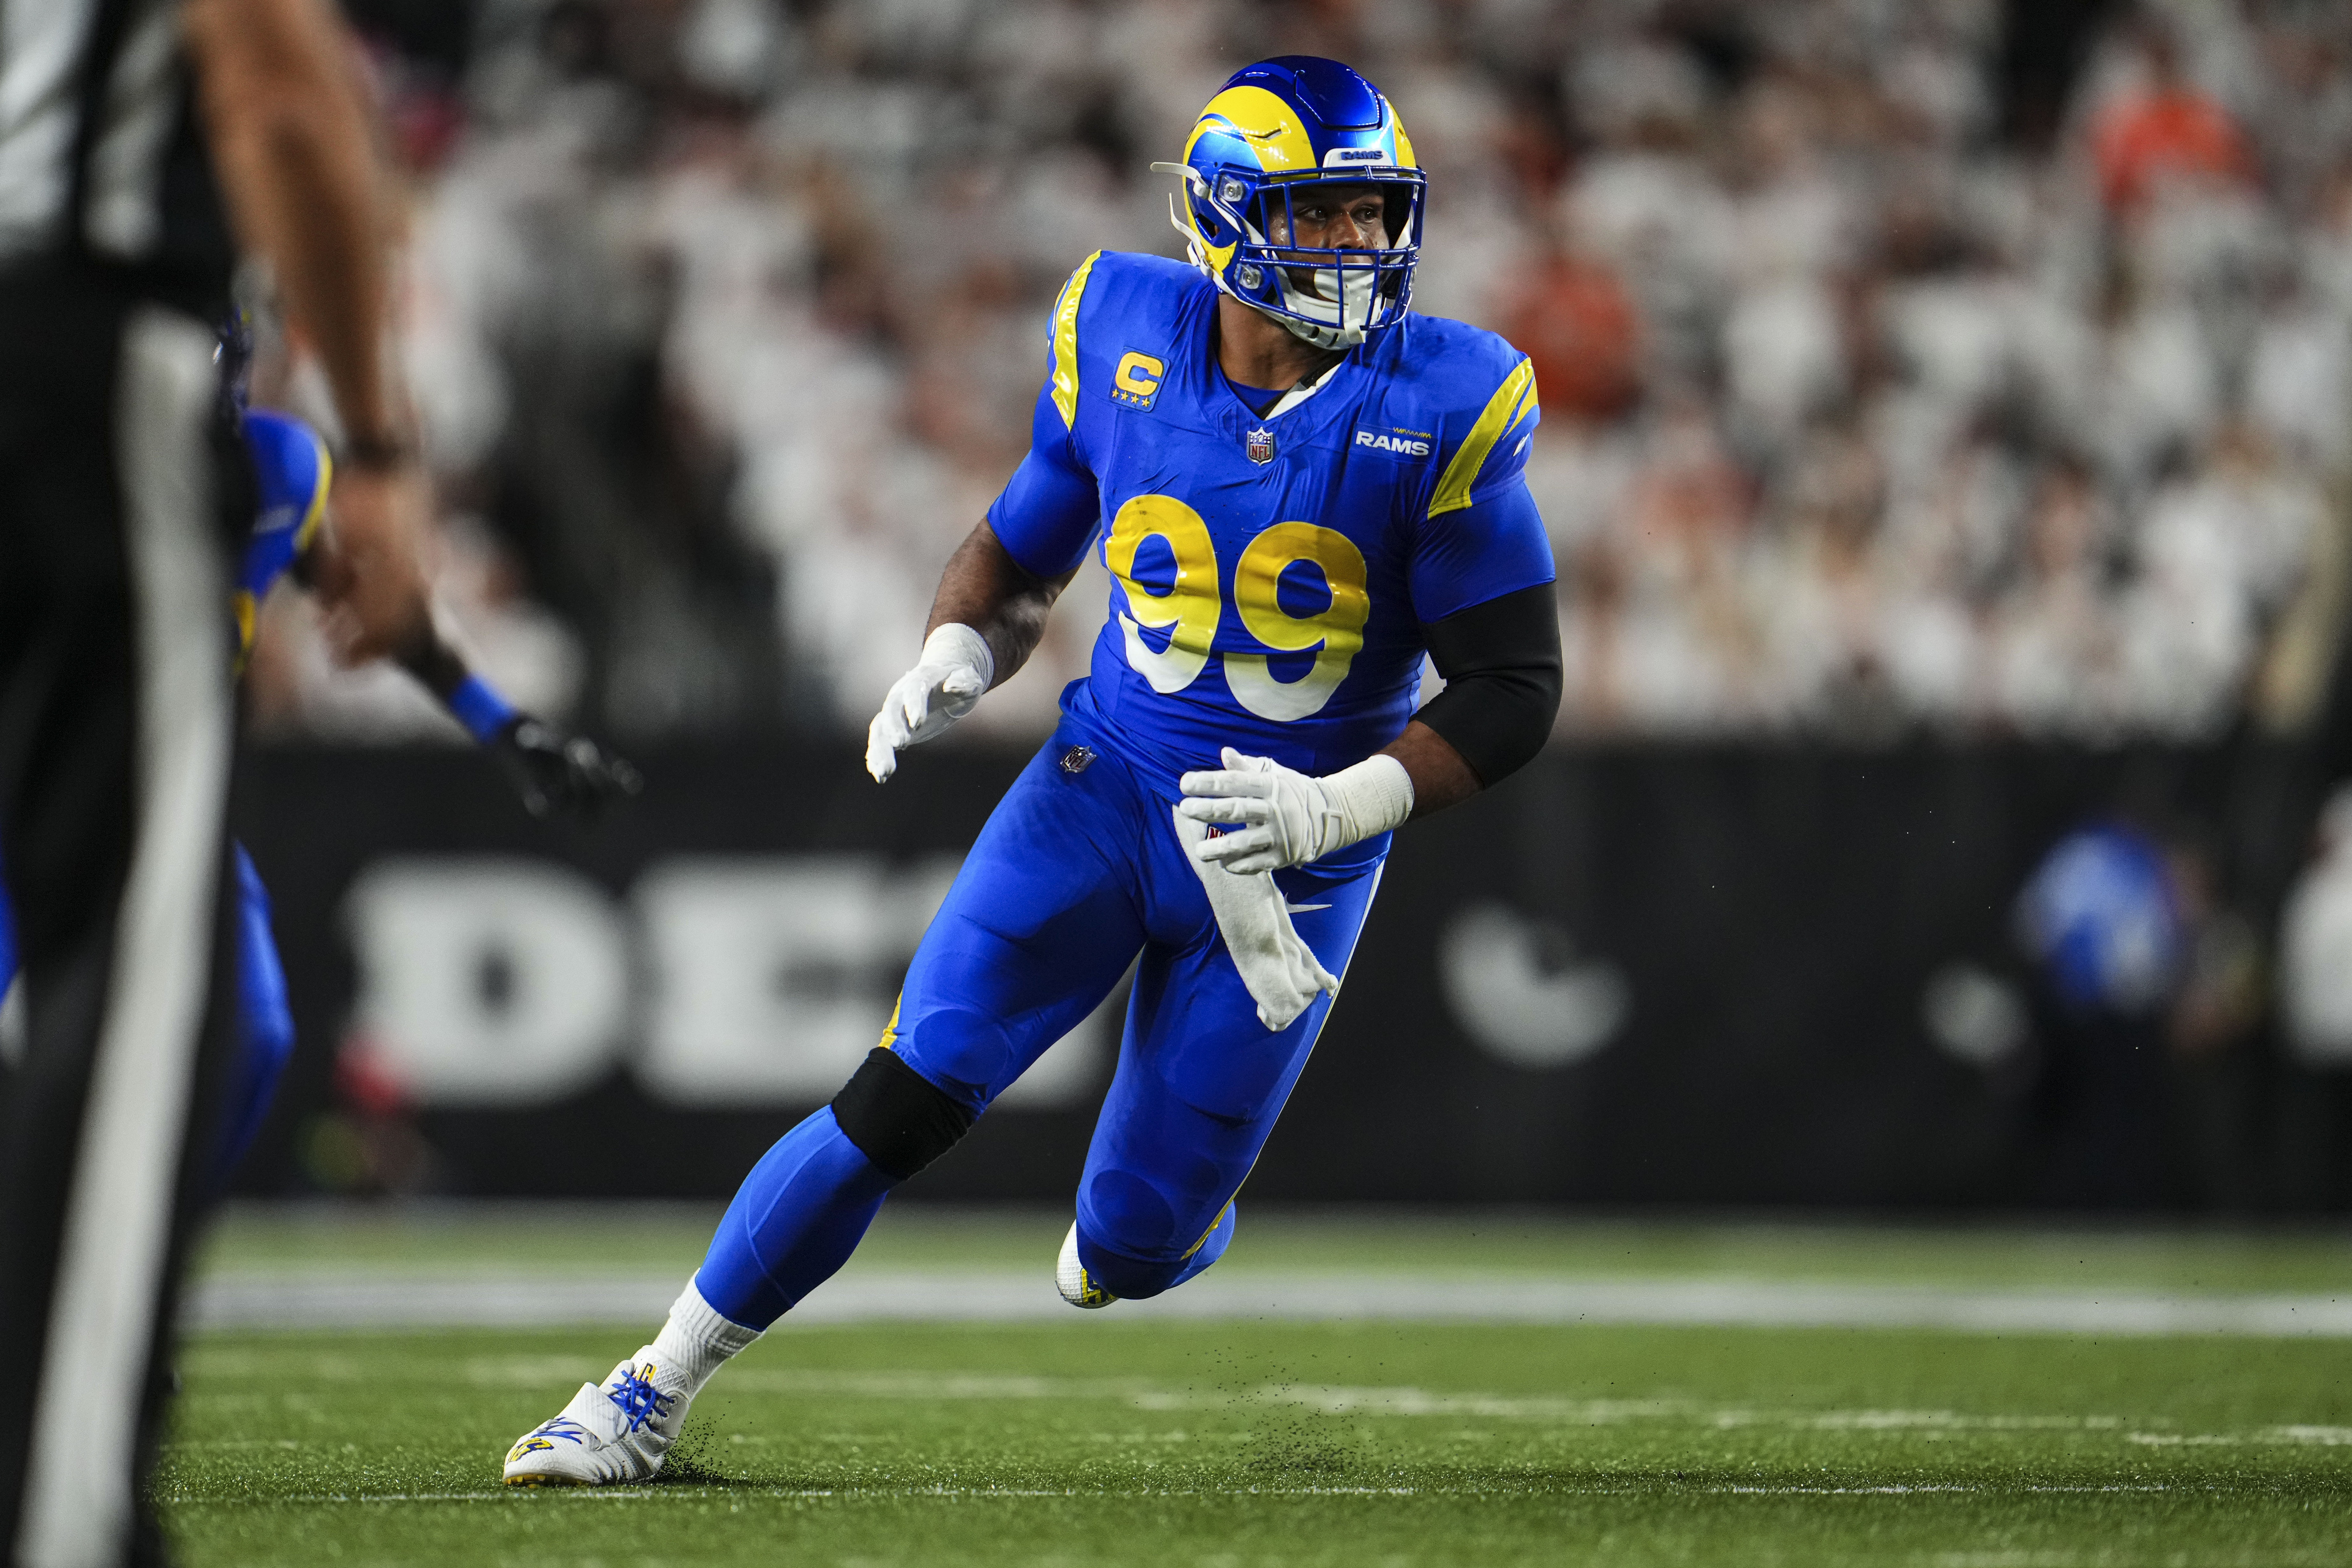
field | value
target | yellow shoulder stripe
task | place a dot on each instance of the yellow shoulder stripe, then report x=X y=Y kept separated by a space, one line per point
x=317 y=513
x=1514 y=397
x=1065 y=341
x=241 y=606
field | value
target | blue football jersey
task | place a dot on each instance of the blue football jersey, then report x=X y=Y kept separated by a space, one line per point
x=291 y=472
x=1270 y=576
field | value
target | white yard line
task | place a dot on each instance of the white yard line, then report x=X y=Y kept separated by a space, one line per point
x=937 y=1385
x=357 y=1300
x=982 y=1494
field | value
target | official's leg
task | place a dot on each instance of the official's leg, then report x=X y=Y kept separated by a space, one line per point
x=115 y=735
x=1200 y=1082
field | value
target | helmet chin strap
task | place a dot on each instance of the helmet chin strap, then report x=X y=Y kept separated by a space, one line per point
x=1317 y=333
x=1357 y=289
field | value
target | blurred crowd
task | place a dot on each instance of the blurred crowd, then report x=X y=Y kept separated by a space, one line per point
x=1898 y=372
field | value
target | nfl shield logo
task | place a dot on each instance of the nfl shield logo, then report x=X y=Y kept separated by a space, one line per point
x=1259 y=445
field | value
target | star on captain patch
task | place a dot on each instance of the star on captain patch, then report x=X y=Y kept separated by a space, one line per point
x=1259 y=445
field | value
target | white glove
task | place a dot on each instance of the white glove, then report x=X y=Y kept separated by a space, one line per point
x=1290 y=817
x=955 y=668
x=1278 y=968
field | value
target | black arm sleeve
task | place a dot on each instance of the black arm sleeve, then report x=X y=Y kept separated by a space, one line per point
x=1501 y=664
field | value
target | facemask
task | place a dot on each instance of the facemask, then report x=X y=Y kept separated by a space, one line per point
x=1337 y=311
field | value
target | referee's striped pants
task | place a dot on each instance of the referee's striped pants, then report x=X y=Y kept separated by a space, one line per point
x=116 y=735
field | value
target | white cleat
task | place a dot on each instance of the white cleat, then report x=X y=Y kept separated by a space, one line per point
x=1070 y=1276
x=606 y=1436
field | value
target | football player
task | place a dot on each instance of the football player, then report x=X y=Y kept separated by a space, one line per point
x=1298 y=487
x=555 y=773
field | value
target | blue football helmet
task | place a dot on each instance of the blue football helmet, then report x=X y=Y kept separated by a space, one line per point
x=1275 y=131
x=2102 y=917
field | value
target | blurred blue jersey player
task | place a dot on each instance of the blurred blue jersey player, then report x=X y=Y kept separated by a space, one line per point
x=1299 y=487
x=554 y=772
x=291 y=472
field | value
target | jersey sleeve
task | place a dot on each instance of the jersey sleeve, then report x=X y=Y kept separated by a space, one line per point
x=291 y=473
x=1483 y=537
x=1045 y=517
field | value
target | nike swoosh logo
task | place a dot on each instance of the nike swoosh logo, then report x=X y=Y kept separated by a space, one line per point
x=1304 y=909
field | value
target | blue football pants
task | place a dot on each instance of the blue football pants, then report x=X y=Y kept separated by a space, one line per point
x=1077 y=874
x=264 y=1022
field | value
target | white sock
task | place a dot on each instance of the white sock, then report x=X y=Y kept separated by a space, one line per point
x=695 y=1343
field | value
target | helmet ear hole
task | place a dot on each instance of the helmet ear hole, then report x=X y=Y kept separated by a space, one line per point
x=1212 y=226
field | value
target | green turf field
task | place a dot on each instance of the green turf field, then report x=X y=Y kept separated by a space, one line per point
x=663 y=1238
x=1107 y=1441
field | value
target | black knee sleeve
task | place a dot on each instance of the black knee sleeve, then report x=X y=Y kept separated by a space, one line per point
x=896 y=1117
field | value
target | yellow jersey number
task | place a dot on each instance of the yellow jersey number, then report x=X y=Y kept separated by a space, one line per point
x=1191 y=607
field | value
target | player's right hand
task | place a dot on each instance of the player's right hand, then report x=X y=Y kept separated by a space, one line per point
x=368 y=563
x=955 y=669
